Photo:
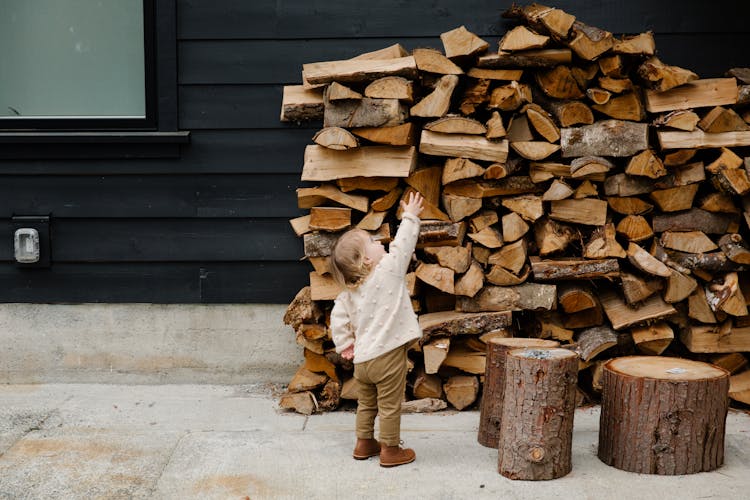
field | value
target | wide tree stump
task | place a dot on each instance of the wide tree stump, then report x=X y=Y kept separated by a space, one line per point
x=663 y=415
x=491 y=405
x=537 y=417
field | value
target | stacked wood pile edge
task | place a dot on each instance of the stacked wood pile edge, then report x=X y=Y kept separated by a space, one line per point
x=577 y=188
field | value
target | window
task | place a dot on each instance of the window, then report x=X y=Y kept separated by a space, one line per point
x=82 y=64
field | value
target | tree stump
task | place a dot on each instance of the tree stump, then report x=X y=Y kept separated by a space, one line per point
x=491 y=405
x=663 y=415
x=537 y=418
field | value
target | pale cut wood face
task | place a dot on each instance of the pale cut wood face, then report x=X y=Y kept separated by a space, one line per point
x=665 y=368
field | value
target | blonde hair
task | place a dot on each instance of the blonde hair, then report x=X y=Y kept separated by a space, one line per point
x=347 y=259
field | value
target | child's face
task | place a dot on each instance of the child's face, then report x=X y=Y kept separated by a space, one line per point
x=374 y=250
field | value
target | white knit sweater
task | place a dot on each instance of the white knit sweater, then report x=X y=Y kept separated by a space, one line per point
x=377 y=316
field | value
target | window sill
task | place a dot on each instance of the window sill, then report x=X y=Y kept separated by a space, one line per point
x=63 y=145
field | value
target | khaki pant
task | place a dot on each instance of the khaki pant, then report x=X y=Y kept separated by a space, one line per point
x=382 y=382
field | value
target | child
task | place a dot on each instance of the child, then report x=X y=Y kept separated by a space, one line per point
x=373 y=322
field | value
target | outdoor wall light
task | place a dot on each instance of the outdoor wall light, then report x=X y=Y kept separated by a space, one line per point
x=26 y=245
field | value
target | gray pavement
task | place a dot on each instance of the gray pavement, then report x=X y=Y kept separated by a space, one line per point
x=231 y=442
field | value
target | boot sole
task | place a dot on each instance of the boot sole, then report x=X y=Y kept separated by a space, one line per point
x=397 y=463
x=365 y=457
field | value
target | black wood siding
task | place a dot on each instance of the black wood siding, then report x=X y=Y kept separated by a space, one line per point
x=212 y=225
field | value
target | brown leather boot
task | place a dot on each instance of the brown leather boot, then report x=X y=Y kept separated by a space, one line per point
x=391 y=456
x=366 y=448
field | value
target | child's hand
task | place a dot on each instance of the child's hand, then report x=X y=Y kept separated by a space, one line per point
x=413 y=204
x=348 y=353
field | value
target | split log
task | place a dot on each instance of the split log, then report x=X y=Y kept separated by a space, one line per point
x=635 y=228
x=589 y=42
x=436 y=104
x=495 y=74
x=299 y=104
x=491 y=405
x=372 y=220
x=616 y=85
x=439 y=233
x=500 y=276
x=398 y=135
x=495 y=127
x=551 y=236
x=699 y=139
x=646 y=164
x=471 y=282
x=733 y=181
x=721 y=119
x=391 y=87
x=424 y=405
x=687 y=241
x=462 y=43
x=590 y=166
x=437 y=276
x=627 y=185
x=676 y=199
x=559 y=83
x=677 y=410
x=718 y=338
x=660 y=77
x=475 y=94
x=604 y=138
x=509 y=97
x=699 y=308
x=534 y=150
x=451 y=323
x=558 y=190
x=301 y=225
x=571 y=268
x=347 y=184
x=514 y=227
x=693 y=220
x=456 y=169
x=625 y=107
x=629 y=205
x=542 y=382
x=302 y=309
x=621 y=315
x=679 y=286
x=569 y=113
x=323 y=287
x=653 y=339
x=322 y=164
x=434 y=353
x=337 y=92
x=387 y=201
x=731 y=362
x=586 y=211
x=522 y=38
x=503 y=187
x=556 y=22
x=542 y=122
x=539 y=58
x=735 y=248
x=529 y=296
x=319 y=244
x=511 y=257
x=427 y=385
x=301 y=402
x=685 y=120
x=365 y=112
x=466 y=359
x=456 y=258
x=727 y=160
x=586 y=189
x=603 y=244
x=312 y=197
x=463 y=146
x=433 y=61
x=330 y=218
x=576 y=297
x=636 y=289
x=693 y=94
x=359 y=70
x=646 y=262
x=593 y=341
x=456 y=125
x=461 y=390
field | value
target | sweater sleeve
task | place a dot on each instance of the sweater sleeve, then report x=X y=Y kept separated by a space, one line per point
x=342 y=331
x=403 y=244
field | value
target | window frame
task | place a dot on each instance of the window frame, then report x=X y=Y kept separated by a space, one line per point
x=158 y=136
x=149 y=122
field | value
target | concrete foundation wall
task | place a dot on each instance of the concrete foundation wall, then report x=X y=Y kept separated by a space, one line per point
x=146 y=343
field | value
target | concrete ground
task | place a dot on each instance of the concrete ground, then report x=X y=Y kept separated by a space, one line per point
x=231 y=442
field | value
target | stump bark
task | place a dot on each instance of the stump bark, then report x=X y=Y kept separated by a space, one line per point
x=537 y=417
x=663 y=415
x=491 y=405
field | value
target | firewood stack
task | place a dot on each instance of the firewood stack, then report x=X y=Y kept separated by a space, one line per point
x=577 y=188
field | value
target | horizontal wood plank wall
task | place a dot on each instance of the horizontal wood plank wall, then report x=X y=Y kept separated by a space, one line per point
x=212 y=225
